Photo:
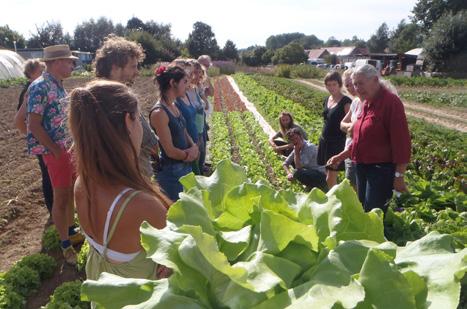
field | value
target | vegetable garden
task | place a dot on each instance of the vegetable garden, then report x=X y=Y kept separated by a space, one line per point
x=246 y=237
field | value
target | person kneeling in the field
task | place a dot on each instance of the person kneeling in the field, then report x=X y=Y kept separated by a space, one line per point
x=304 y=155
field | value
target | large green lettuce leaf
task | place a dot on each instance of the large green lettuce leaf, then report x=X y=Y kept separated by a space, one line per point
x=236 y=244
x=434 y=257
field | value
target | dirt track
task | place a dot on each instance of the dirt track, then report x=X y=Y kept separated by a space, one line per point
x=450 y=118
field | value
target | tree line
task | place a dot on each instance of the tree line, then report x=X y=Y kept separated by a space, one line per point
x=439 y=26
x=156 y=39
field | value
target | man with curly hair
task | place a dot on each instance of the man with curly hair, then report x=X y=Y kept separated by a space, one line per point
x=118 y=60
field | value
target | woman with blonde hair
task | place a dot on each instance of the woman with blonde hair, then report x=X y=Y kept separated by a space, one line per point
x=348 y=122
x=111 y=195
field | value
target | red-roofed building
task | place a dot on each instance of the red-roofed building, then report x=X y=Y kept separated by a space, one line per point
x=343 y=53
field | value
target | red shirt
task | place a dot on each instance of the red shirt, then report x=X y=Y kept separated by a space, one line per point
x=381 y=133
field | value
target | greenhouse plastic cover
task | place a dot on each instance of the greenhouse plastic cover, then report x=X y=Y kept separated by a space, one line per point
x=11 y=64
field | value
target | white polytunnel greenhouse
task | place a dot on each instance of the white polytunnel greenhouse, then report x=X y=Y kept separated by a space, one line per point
x=11 y=64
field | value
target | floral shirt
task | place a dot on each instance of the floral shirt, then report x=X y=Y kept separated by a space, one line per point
x=47 y=98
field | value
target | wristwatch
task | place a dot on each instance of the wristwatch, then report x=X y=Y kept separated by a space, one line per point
x=397 y=174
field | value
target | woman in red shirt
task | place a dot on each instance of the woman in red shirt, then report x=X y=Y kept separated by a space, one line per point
x=381 y=141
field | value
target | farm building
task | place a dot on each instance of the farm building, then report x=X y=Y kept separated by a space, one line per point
x=11 y=64
x=343 y=53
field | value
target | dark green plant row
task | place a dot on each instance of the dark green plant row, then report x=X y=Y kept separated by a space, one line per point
x=24 y=278
x=425 y=81
x=449 y=99
x=436 y=174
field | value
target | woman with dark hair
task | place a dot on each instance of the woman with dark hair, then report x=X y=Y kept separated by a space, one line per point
x=112 y=196
x=332 y=139
x=279 y=141
x=178 y=150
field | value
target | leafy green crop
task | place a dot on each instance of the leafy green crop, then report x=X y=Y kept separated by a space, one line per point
x=67 y=295
x=236 y=244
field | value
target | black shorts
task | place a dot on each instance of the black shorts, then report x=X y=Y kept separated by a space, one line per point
x=329 y=148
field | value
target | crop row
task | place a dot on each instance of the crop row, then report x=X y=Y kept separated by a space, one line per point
x=26 y=276
x=270 y=104
x=451 y=99
x=424 y=81
x=435 y=176
x=250 y=142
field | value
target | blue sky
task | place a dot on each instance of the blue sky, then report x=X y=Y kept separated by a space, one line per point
x=246 y=22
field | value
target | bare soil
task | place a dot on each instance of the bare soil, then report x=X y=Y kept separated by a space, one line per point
x=23 y=215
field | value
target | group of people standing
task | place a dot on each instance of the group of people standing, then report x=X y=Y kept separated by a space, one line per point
x=368 y=136
x=97 y=149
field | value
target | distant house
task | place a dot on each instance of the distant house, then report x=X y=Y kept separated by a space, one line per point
x=319 y=53
x=344 y=53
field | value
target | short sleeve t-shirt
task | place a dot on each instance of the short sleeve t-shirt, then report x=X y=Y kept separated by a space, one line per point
x=308 y=157
x=47 y=98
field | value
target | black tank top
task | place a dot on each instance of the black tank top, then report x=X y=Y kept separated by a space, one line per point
x=332 y=119
x=177 y=126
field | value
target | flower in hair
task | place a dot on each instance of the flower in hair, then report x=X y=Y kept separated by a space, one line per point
x=160 y=70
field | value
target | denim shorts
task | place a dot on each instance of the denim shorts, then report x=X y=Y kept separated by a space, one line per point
x=168 y=178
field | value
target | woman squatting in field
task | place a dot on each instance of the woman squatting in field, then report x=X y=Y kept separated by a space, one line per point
x=112 y=196
x=178 y=150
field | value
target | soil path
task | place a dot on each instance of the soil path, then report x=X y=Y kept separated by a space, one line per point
x=455 y=119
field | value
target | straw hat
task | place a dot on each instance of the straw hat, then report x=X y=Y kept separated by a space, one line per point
x=55 y=52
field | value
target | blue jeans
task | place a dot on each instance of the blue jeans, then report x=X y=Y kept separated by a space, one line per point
x=168 y=178
x=375 y=183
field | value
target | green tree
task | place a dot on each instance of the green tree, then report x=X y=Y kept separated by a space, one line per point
x=280 y=40
x=252 y=56
x=332 y=42
x=136 y=24
x=380 y=40
x=292 y=53
x=266 y=58
x=355 y=41
x=202 y=41
x=230 y=51
x=153 y=48
x=51 y=33
x=446 y=45
x=310 y=41
x=405 y=37
x=8 y=36
x=427 y=12
x=90 y=34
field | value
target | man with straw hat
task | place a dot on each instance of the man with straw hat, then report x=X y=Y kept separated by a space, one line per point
x=46 y=108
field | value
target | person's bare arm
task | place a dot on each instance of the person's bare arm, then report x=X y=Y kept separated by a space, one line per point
x=346 y=122
x=209 y=91
x=20 y=119
x=36 y=128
